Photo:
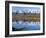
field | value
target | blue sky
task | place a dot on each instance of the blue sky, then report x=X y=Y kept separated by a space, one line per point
x=25 y=9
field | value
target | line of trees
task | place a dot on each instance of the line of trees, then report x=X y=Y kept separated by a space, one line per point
x=23 y=12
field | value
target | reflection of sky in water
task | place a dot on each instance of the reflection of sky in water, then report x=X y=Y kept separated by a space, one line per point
x=26 y=25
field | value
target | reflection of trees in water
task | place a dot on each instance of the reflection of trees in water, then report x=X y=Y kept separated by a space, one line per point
x=37 y=27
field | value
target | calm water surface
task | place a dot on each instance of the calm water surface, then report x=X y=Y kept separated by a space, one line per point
x=26 y=25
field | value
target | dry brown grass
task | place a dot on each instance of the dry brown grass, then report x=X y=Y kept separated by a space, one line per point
x=26 y=17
